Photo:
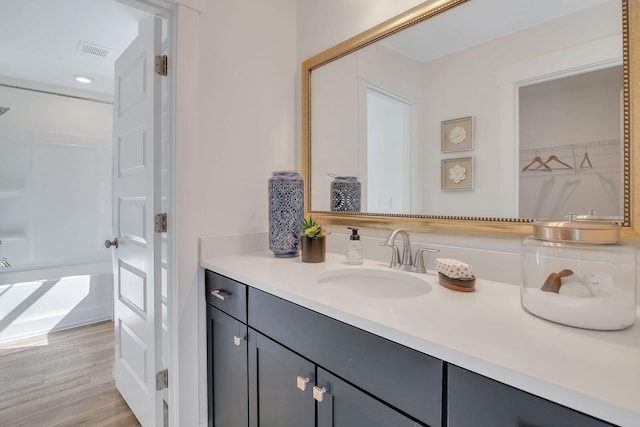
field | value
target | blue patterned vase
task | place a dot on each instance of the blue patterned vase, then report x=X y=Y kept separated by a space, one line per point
x=345 y=194
x=286 y=212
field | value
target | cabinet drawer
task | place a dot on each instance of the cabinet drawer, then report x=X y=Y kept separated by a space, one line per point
x=477 y=401
x=406 y=379
x=226 y=294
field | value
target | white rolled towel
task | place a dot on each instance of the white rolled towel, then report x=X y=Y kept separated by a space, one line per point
x=454 y=269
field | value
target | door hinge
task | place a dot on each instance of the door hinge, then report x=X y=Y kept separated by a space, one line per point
x=161 y=65
x=162 y=379
x=161 y=223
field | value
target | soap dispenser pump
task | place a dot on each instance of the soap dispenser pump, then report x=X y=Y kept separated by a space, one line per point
x=355 y=250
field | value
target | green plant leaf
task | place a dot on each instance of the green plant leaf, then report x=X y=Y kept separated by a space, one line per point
x=311 y=228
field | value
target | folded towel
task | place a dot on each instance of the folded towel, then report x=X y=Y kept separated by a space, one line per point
x=453 y=268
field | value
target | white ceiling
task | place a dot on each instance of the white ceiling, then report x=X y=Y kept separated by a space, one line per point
x=477 y=22
x=39 y=40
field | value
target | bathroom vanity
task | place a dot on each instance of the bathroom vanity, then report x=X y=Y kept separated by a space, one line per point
x=285 y=349
x=292 y=357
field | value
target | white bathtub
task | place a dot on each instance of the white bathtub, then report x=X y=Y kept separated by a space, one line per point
x=42 y=300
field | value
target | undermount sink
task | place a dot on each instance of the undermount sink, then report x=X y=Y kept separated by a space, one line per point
x=375 y=283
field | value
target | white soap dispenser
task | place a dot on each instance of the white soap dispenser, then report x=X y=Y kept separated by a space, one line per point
x=355 y=250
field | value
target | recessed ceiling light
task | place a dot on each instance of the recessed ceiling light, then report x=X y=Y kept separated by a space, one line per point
x=83 y=79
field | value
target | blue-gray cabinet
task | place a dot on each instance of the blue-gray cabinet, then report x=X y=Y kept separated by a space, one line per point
x=281 y=385
x=477 y=401
x=286 y=389
x=274 y=363
x=227 y=361
x=227 y=356
x=343 y=405
x=402 y=378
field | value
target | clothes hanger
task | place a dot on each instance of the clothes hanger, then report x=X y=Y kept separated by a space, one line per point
x=586 y=160
x=537 y=160
x=554 y=158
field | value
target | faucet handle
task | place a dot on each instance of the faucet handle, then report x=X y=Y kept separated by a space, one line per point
x=395 y=255
x=419 y=266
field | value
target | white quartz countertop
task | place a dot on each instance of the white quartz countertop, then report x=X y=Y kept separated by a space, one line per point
x=486 y=331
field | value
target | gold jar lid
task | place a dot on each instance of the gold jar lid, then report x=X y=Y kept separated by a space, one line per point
x=599 y=232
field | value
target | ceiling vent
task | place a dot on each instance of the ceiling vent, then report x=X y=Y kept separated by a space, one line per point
x=93 y=49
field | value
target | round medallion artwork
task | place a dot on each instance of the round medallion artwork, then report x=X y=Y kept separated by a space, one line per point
x=457 y=174
x=286 y=212
x=457 y=135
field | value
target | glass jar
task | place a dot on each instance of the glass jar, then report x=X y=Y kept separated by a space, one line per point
x=578 y=273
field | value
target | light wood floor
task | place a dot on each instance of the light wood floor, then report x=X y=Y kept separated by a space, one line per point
x=62 y=379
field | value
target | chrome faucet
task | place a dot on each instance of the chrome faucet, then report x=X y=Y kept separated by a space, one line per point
x=4 y=263
x=406 y=262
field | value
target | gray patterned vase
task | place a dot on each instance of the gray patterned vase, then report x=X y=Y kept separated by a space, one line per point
x=345 y=194
x=286 y=212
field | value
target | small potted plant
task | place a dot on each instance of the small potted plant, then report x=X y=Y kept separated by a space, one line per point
x=313 y=241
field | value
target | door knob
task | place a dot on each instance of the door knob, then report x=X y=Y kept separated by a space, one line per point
x=301 y=382
x=318 y=393
x=109 y=243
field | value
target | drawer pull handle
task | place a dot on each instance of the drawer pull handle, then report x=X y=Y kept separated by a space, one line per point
x=318 y=393
x=302 y=382
x=237 y=340
x=221 y=295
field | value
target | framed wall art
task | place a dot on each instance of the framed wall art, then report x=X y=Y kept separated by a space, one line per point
x=457 y=134
x=457 y=174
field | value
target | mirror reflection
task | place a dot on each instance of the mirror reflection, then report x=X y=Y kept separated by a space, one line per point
x=443 y=117
x=570 y=156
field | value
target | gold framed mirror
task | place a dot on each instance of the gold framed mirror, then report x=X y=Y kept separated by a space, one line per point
x=461 y=221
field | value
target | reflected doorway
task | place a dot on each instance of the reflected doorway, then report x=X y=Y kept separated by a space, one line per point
x=388 y=153
x=570 y=132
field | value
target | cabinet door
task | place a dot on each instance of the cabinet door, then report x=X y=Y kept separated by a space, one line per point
x=228 y=370
x=477 y=401
x=281 y=384
x=404 y=378
x=343 y=405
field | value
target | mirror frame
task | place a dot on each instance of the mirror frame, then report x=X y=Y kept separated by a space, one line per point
x=466 y=225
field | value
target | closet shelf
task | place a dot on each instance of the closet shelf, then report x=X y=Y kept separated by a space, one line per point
x=579 y=148
x=575 y=158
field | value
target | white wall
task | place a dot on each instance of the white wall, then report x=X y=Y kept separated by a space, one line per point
x=248 y=70
x=236 y=110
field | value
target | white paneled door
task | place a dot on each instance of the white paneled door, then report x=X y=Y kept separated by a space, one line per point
x=136 y=200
